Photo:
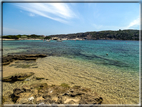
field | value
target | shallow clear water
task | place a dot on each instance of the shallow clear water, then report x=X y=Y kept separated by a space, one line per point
x=114 y=76
x=121 y=54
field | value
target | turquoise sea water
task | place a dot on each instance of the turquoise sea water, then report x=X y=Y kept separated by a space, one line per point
x=121 y=54
x=109 y=67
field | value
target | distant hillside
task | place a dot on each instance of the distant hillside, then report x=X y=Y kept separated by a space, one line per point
x=16 y=37
x=107 y=35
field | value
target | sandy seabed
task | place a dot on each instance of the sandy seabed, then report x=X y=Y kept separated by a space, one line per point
x=114 y=86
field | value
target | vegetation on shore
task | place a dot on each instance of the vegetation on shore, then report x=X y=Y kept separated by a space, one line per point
x=33 y=36
x=106 y=35
x=47 y=37
x=129 y=34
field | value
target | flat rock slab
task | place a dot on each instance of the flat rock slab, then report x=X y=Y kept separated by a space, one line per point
x=10 y=58
x=17 y=77
x=24 y=64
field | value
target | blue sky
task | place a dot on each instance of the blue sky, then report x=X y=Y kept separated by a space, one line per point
x=64 y=18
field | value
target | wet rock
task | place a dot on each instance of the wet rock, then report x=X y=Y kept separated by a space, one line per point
x=26 y=88
x=90 y=99
x=74 y=94
x=10 y=58
x=46 y=96
x=60 y=100
x=39 y=78
x=22 y=101
x=99 y=100
x=17 y=77
x=17 y=91
x=41 y=93
x=7 y=98
x=14 y=98
x=48 y=101
x=25 y=98
x=39 y=85
x=39 y=99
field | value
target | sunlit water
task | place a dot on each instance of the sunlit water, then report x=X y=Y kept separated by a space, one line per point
x=109 y=67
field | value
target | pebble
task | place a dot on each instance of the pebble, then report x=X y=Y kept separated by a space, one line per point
x=31 y=98
x=41 y=103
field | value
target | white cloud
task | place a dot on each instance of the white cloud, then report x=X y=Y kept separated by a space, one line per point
x=134 y=23
x=56 y=11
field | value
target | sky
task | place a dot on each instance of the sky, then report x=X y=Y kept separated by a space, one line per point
x=64 y=18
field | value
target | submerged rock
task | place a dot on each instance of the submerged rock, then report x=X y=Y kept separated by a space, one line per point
x=41 y=93
x=90 y=99
x=7 y=98
x=17 y=77
x=10 y=58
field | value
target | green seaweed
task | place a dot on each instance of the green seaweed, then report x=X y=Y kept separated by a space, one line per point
x=23 y=66
x=65 y=85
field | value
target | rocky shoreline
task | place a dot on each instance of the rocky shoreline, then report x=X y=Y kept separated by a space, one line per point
x=42 y=93
x=10 y=58
x=29 y=89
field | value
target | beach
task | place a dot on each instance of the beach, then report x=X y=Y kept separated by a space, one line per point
x=115 y=86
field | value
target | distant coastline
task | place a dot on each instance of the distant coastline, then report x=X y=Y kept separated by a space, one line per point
x=102 y=35
x=19 y=39
x=99 y=35
x=7 y=39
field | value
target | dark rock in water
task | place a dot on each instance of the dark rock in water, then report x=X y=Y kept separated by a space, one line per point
x=39 y=78
x=17 y=77
x=7 y=98
x=41 y=93
x=39 y=85
x=10 y=58
x=14 y=98
x=90 y=99
x=26 y=88
x=17 y=91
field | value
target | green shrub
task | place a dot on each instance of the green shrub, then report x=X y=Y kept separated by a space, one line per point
x=47 y=37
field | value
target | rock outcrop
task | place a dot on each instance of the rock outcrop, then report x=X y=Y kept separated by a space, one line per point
x=17 y=77
x=42 y=93
x=10 y=58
